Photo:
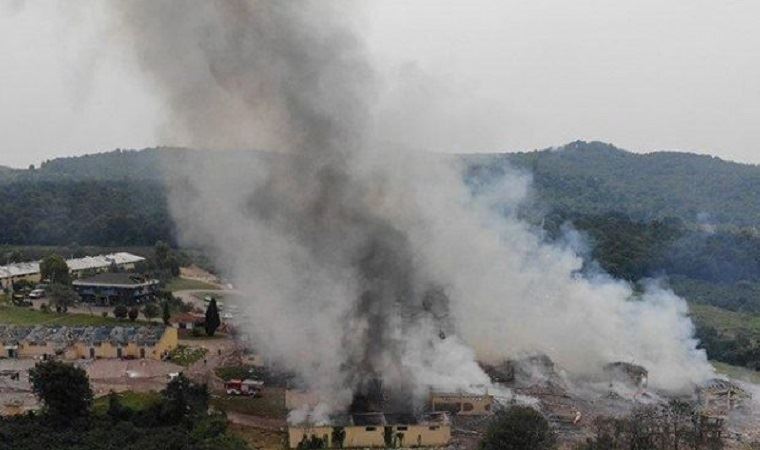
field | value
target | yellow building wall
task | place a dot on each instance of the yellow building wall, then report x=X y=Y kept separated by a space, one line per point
x=105 y=350
x=80 y=350
x=26 y=350
x=428 y=435
x=168 y=342
x=131 y=351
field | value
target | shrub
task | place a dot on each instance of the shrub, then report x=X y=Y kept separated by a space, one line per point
x=133 y=313
x=518 y=428
x=120 y=311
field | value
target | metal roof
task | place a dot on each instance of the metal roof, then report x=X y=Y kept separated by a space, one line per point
x=118 y=279
x=19 y=269
x=75 y=264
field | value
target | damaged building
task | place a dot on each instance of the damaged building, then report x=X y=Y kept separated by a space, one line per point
x=529 y=371
x=374 y=430
x=152 y=342
x=462 y=404
x=627 y=373
x=718 y=397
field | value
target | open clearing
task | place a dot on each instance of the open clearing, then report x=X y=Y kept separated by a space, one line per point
x=135 y=401
x=270 y=404
x=260 y=438
x=185 y=284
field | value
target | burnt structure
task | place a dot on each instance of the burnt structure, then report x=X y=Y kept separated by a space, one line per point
x=631 y=374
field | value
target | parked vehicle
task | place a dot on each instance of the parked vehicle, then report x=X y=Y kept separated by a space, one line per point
x=243 y=387
x=36 y=294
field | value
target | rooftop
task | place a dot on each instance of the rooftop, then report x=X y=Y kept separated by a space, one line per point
x=87 y=262
x=64 y=336
x=115 y=279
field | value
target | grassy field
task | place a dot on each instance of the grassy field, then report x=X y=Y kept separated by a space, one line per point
x=183 y=284
x=270 y=404
x=132 y=400
x=725 y=321
x=14 y=315
x=738 y=373
x=184 y=335
x=260 y=439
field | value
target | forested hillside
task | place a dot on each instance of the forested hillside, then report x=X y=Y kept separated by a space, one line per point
x=692 y=220
x=118 y=165
x=106 y=213
x=595 y=178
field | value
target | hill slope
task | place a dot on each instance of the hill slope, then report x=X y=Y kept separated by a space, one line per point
x=594 y=178
x=642 y=215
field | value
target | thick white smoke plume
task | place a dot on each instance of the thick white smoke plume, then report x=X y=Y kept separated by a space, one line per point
x=362 y=263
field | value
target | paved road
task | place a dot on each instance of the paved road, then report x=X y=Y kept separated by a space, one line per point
x=191 y=296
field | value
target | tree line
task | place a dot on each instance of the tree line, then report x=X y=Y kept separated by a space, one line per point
x=178 y=420
x=105 y=213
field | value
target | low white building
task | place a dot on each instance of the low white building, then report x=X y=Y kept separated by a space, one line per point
x=30 y=271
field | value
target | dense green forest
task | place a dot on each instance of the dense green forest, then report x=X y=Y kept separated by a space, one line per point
x=688 y=219
x=113 y=213
x=595 y=178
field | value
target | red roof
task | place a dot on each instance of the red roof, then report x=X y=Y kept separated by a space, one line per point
x=187 y=318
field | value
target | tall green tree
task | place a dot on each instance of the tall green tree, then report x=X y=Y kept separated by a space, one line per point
x=182 y=398
x=212 y=318
x=120 y=311
x=166 y=314
x=150 y=311
x=133 y=313
x=63 y=388
x=62 y=296
x=518 y=428
x=166 y=260
x=54 y=269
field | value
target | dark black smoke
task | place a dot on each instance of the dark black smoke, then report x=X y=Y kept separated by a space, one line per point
x=291 y=78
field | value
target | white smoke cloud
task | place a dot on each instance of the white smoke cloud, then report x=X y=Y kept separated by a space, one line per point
x=355 y=259
x=513 y=294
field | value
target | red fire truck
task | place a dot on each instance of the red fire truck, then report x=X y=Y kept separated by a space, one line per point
x=243 y=387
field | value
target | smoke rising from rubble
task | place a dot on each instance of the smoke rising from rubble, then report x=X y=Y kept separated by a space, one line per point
x=360 y=262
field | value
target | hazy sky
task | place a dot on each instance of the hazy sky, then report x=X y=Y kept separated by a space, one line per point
x=468 y=75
